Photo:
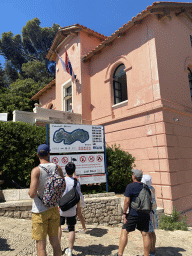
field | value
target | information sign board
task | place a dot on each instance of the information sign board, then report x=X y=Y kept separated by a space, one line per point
x=66 y=138
x=86 y=164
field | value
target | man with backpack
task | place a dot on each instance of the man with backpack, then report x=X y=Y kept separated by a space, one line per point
x=136 y=218
x=45 y=213
x=70 y=212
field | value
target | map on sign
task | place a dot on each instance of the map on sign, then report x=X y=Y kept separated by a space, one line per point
x=69 y=138
x=66 y=138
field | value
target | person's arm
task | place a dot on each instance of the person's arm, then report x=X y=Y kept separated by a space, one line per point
x=125 y=207
x=35 y=174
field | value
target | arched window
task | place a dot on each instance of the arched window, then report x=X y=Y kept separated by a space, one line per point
x=50 y=106
x=190 y=81
x=119 y=84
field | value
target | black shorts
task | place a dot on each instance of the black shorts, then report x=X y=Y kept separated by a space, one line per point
x=71 y=221
x=140 y=222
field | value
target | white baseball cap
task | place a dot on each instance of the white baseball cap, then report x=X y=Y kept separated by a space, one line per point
x=147 y=179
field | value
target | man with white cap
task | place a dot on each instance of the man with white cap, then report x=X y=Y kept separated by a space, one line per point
x=134 y=219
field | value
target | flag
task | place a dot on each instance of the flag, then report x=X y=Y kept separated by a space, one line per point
x=62 y=62
x=68 y=67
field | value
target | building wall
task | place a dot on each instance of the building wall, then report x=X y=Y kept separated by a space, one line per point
x=173 y=52
x=49 y=97
x=155 y=55
x=88 y=42
x=137 y=125
x=76 y=48
x=73 y=50
x=174 y=55
x=137 y=51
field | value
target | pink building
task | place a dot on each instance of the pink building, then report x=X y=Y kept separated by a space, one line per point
x=138 y=84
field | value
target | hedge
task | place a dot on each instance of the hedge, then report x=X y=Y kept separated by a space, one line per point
x=119 y=165
x=18 y=148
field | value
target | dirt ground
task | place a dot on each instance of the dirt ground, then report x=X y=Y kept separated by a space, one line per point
x=15 y=240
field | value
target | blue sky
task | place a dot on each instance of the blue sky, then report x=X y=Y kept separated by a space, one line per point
x=103 y=16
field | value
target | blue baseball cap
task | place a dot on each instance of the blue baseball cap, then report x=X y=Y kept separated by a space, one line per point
x=43 y=150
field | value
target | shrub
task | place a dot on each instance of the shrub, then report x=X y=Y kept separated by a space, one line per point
x=173 y=221
x=18 y=145
x=119 y=165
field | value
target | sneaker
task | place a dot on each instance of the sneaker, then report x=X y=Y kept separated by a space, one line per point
x=68 y=253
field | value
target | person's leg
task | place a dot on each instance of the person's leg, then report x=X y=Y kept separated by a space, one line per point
x=54 y=241
x=62 y=222
x=146 y=243
x=123 y=241
x=53 y=229
x=80 y=216
x=39 y=231
x=153 y=241
x=59 y=234
x=41 y=248
x=71 y=221
x=128 y=226
x=71 y=239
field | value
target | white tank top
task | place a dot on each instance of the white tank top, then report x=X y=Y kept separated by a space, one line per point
x=37 y=205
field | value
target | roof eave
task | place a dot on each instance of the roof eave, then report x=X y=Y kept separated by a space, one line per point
x=64 y=32
x=153 y=9
x=42 y=91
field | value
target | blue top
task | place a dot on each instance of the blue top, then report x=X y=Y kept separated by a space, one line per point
x=132 y=190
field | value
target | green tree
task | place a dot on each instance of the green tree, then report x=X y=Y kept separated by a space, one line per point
x=18 y=96
x=11 y=72
x=35 y=70
x=26 y=69
x=32 y=45
x=2 y=79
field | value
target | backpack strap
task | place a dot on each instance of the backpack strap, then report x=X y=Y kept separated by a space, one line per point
x=75 y=183
x=45 y=169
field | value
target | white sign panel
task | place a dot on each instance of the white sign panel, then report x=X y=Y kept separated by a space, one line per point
x=66 y=138
x=86 y=164
x=3 y=117
x=89 y=179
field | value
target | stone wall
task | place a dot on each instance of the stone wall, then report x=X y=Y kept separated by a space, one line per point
x=99 y=208
x=102 y=209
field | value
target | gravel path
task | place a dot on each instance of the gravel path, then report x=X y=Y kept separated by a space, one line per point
x=15 y=240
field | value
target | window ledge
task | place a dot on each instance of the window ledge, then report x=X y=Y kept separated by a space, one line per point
x=121 y=104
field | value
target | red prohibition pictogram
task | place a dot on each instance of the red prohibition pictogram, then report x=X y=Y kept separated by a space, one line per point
x=64 y=160
x=91 y=158
x=83 y=159
x=55 y=160
x=99 y=158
